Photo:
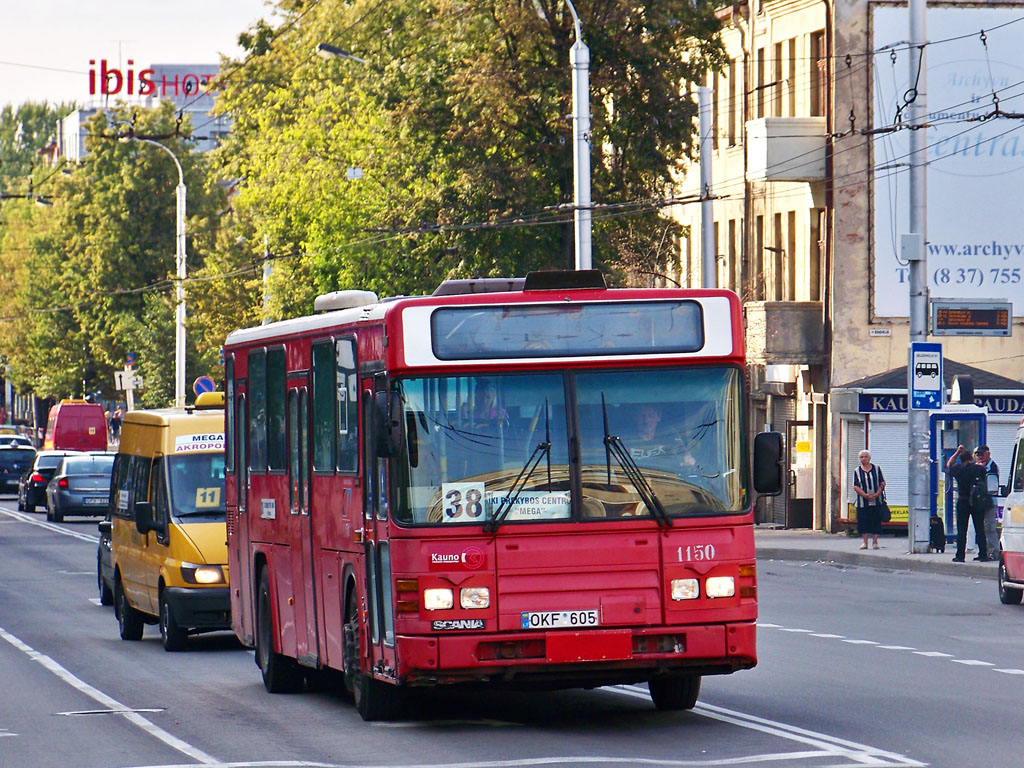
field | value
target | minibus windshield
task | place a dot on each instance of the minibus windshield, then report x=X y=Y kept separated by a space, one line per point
x=197 y=485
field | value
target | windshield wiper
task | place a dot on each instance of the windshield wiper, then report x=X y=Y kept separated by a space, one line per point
x=615 y=447
x=543 y=448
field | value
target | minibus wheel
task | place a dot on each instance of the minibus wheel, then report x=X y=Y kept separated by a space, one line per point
x=674 y=692
x=280 y=674
x=1007 y=595
x=129 y=621
x=174 y=637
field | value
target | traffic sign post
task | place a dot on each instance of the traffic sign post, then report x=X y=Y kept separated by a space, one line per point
x=127 y=380
x=926 y=376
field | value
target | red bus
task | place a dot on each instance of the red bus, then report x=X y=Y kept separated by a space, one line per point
x=533 y=481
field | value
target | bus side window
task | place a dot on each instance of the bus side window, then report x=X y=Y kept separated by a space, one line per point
x=161 y=505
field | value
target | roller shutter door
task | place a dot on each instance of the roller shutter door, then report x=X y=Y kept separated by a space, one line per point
x=854 y=436
x=888 y=443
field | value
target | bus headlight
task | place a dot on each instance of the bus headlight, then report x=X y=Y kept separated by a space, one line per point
x=202 y=574
x=720 y=586
x=440 y=599
x=475 y=597
x=685 y=589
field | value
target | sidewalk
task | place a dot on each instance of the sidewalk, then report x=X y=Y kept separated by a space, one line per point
x=807 y=545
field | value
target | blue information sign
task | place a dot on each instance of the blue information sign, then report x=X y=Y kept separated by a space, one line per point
x=926 y=375
x=203 y=384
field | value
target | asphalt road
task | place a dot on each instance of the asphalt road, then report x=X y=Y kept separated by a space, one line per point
x=858 y=666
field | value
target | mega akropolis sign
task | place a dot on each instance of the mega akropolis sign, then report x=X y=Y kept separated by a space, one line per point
x=176 y=82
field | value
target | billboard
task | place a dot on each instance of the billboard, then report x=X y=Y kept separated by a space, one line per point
x=975 y=238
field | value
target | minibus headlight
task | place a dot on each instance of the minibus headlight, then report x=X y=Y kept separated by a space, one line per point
x=202 y=574
x=721 y=586
x=475 y=597
x=685 y=589
x=439 y=599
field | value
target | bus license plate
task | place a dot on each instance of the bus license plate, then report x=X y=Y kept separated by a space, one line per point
x=558 y=619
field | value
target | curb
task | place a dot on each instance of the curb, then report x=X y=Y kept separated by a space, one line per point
x=900 y=563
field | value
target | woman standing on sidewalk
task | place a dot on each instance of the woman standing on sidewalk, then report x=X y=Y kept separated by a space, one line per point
x=868 y=483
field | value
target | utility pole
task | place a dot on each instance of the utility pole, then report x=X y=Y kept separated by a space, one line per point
x=913 y=248
x=708 y=257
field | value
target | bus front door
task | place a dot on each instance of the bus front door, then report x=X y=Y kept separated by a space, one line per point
x=300 y=529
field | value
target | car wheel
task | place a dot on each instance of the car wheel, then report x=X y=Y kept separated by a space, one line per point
x=129 y=621
x=30 y=507
x=1007 y=595
x=280 y=674
x=106 y=594
x=674 y=692
x=174 y=637
x=57 y=515
x=374 y=700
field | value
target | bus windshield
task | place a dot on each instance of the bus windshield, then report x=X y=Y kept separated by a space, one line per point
x=480 y=446
x=197 y=485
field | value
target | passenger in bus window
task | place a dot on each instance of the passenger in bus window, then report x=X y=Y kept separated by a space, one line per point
x=483 y=409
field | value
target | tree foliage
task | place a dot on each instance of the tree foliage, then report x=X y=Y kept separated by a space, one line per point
x=97 y=279
x=458 y=123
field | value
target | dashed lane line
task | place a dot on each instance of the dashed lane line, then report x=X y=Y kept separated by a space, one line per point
x=109 y=702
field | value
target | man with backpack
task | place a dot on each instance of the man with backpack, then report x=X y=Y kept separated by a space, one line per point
x=983 y=456
x=968 y=474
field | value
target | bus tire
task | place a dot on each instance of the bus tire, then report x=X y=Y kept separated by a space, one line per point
x=280 y=674
x=374 y=700
x=1007 y=595
x=129 y=621
x=674 y=692
x=173 y=636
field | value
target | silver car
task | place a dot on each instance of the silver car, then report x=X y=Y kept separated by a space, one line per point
x=79 y=486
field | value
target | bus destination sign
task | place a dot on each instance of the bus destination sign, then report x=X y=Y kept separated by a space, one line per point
x=971 y=318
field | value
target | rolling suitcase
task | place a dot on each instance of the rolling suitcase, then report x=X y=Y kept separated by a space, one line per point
x=936 y=535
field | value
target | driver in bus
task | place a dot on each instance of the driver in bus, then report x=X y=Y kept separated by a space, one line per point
x=650 y=442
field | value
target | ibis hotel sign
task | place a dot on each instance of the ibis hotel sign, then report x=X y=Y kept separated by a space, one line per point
x=183 y=84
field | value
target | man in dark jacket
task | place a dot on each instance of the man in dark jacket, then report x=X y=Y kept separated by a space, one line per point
x=966 y=473
x=983 y=456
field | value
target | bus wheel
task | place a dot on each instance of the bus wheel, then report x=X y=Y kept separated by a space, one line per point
x=173 y=636
x=129 y=621
x=1007 y=595
x=674 y=692
x=374 y=700
x=280 y=674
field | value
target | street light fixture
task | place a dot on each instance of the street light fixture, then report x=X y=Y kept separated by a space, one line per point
x=327 y=51
x=179 y=260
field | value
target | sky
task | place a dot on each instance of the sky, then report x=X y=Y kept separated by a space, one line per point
x=46 y=45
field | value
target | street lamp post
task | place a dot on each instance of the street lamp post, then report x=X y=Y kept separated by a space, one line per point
x=179 y=260
x=579 y=57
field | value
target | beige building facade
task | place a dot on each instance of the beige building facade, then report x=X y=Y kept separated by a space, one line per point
x=809 y=187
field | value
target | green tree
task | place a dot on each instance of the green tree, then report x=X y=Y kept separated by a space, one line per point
x=458 y=124
x=98 y=271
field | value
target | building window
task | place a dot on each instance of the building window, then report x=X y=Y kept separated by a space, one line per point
x=779 y=81
x=733 y=96
x=716 y=84
x=730 y=258
x=759 y=66
x=758 y=273
x=791 y=256
x=818 y=73
x=817 y=248
x=791 y=79
x=776 y=262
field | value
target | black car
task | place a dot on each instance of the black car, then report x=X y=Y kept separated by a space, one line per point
x=14 y=461
x=79 y=486
x=32 y=485
x=104 y=566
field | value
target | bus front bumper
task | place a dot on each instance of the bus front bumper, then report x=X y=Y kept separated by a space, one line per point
x=205 y=608
x=574 y=657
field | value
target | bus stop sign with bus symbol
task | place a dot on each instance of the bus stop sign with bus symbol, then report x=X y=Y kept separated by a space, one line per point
x=926 y=369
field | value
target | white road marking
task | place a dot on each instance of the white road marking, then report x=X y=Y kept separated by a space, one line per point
x=833 y=746
x=896 y=647
x=1011 y=671
x=826 y=634
x=26 y=518
x=861 y=642
x=5 y=732
x=788 y=629
x=96 y=695
x=766 y=624
x=973 y=662
x=934 y=654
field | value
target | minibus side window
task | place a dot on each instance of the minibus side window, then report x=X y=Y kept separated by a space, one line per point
x=161 y=508
x=119 y=485
x=1018 y=471
x=139 y=481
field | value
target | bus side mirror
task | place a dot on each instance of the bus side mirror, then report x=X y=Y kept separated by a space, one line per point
x=1004 y=491
x=144 y=521
x=768 y=463
x=387 y=423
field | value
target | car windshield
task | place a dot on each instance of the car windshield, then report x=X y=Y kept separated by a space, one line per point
x=100 y=465
x=477 y=445
x=197 y=484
